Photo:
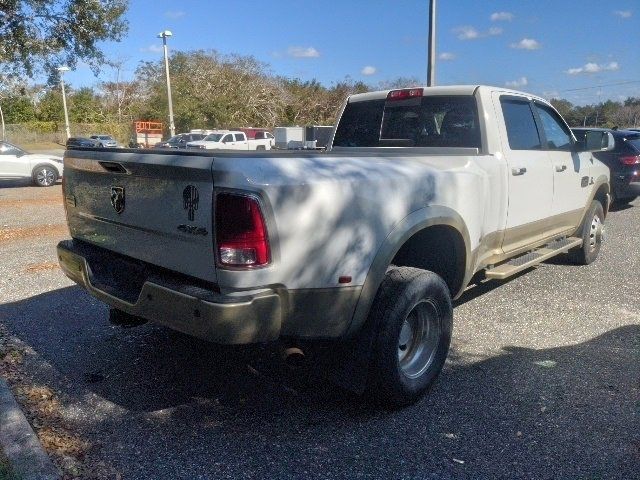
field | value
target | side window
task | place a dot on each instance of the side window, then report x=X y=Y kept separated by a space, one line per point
x=239 y=137
x=8 y=150
x=227 y=139
x=557 y=133
x=521 y=125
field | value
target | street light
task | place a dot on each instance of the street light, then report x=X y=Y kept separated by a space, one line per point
x=63 y=69
x=164 y=35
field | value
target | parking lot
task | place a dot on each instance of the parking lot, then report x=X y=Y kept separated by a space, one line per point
x=542 y=379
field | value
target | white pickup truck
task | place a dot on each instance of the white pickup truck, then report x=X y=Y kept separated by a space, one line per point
x=422 y=190
x=233 y=140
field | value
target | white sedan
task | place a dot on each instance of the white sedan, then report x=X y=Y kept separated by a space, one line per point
x=44 y=170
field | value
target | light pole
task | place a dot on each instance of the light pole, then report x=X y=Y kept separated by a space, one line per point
x=63 y=69
x=164 y=35
x=2 y=118
x=431 y=60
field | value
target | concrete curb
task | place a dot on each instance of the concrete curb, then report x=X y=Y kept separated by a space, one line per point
x=19 y=442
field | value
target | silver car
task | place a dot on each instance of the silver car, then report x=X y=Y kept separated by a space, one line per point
x=105 y=140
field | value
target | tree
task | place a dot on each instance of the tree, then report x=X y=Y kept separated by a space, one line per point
x=50 y=107
x=38 y=35
x=85 y=107
x=18 y=109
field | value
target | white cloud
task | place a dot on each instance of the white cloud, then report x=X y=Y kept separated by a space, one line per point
x=175 y=14
x=520 y=82
x=467 y=33
x=623 y=13
x=526 y=44
x=594 y=68
x=368 y=70
x=501 y=17
x=152 y=49
x=447 y=56
x=303 y=52
x=470 y=33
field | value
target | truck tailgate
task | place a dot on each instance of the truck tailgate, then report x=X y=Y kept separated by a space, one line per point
x=151 y=207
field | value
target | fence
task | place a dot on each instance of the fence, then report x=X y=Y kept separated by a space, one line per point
x=53 y=132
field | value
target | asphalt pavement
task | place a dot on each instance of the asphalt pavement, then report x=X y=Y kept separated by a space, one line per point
x=542 y=380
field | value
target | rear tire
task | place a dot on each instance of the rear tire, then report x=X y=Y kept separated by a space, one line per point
x=592 y=233
x=44 y=176
x=414 y=319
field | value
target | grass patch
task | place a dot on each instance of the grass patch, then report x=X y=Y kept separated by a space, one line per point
x=35 y=147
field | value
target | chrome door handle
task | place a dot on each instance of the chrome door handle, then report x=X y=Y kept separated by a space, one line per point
x=518 y=171
x=561 y=168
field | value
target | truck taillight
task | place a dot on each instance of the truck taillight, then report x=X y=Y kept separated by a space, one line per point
x=241 y=232
x=630 y=159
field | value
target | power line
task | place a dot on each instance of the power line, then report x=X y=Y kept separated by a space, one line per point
x=600 y=86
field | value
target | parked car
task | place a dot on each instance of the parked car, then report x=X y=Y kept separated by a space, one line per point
x=44 y=170
x=623 y=161
x=233 y=140
x=180 y=140
x=81 y=142
x=105 y=141
x=366 y=244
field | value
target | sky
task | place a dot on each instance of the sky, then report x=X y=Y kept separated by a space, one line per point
x=585 y=51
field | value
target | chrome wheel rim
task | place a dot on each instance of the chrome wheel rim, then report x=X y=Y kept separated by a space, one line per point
x=596 y=233
x=419 y=338
x=45 y=177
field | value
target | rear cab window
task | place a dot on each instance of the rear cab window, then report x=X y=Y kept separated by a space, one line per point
x=424 y=121
x=522 y=131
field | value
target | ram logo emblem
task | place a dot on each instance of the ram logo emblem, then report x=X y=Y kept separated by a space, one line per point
x=117 y=199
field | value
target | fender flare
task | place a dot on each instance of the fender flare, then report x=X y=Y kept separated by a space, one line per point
x=597 y=184
x=429 y=216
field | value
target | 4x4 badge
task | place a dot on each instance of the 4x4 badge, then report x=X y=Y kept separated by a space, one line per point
x=190 y=198
x=117 y=199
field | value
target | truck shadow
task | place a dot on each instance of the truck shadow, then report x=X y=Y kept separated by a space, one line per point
x=522 y=410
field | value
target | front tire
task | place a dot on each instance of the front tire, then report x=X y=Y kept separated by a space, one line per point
x=414 y=318
x=45 y=176
x=592 y=233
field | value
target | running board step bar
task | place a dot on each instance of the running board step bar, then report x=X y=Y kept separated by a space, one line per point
x=532 y=258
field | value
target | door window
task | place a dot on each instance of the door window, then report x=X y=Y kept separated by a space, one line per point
x=239 y=137
x=7 y=149
x=557 y=133
x=227 y=139
x=522 y=131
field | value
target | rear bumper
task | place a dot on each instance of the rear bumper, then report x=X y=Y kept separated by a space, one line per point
x=245 y=317
x=626 y=185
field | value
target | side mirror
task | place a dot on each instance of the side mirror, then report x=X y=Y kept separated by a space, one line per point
x=597 y=141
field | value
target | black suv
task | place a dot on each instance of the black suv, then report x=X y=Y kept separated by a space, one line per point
x=623 y=161
x=180 y=140
x=81 y=142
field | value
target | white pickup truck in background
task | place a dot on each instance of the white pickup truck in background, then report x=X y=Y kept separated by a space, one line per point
x=365 y=245
x=233 y=140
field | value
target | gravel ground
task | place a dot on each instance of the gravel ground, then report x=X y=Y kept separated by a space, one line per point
x=542 y=380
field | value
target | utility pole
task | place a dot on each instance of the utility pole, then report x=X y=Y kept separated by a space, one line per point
x=64 y=99
x=164 y=35
x=431 y=59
